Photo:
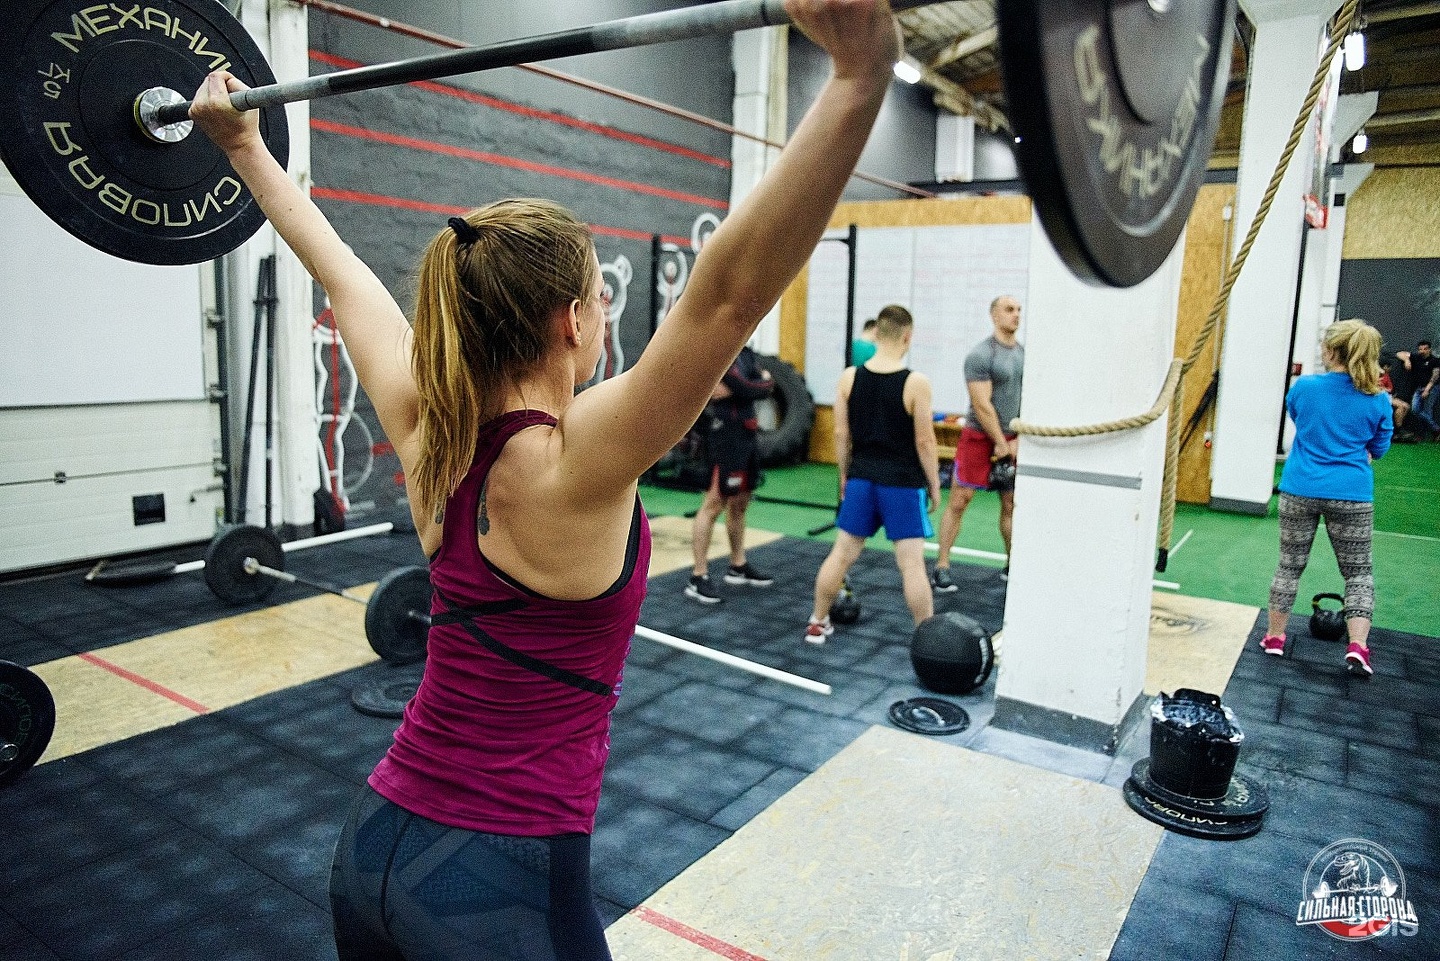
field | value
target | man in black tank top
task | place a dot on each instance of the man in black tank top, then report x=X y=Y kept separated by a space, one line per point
x=889 y=474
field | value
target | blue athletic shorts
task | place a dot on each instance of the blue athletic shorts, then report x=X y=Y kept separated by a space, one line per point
x=867 y=506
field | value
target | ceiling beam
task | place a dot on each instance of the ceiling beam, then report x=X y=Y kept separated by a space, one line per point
x=964 y=47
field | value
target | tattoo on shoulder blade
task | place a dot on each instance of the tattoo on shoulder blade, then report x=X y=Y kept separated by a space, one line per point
x=484 y=519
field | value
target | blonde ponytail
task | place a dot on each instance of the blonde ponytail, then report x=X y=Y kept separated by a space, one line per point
x=483 y=302
x=1355 y=345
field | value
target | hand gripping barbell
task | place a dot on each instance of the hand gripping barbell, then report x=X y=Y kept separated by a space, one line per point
x=244 y=564
x=1114 y=108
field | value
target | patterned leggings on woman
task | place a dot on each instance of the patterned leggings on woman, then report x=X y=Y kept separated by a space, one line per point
x=405 y=888
x=1349 y=524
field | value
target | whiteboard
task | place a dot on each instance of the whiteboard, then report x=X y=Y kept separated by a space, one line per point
x=946 y=276
x=81 y=327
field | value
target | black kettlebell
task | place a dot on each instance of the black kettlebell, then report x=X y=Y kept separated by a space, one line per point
x=1002 y=474
x=846 y=608
x=1325 y=624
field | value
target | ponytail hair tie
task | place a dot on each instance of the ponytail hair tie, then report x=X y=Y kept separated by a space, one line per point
x=465 y=232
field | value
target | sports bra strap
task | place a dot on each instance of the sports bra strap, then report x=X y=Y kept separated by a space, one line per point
x=466 y=618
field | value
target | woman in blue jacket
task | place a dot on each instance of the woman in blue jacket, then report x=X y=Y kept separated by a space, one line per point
x=1342 y=423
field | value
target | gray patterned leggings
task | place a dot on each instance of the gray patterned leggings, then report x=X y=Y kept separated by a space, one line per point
x=1349 y=524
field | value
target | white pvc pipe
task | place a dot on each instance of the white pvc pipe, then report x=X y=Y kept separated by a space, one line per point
x=730 y=660
x=345 y=535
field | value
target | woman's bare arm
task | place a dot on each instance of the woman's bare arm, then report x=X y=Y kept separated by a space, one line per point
x=374 y=328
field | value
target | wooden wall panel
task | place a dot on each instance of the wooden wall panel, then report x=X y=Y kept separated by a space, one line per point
x=1394 y=214
x=1207 y=250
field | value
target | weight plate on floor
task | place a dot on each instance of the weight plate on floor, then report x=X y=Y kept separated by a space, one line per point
x=1244 y=799
x=929 y=715
x=1197 y=824
x=27 y=719
x=1115 y=108
x=71 y=72
x=397 y=616
x=225 y=572
x=383 y=699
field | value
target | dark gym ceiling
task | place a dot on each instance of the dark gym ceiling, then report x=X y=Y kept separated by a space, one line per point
x=957 y=48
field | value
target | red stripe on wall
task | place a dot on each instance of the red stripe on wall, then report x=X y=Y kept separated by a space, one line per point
x=378 y=200
x=710 y=943
x=146 y=683
x=480 y=98
x=413 y=143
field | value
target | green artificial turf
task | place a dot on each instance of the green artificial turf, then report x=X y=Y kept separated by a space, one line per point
x=1217 y=555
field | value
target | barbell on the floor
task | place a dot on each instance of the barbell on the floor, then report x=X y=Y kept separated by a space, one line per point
x=27 y=719
x=244 y=564
x=106 y=574
x=1114 y=109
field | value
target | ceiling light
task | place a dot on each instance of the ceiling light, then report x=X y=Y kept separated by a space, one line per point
x=1354 y=51
x=907 y=68
x=1360 y=143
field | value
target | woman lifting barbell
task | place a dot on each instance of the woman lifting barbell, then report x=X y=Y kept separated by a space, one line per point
x=499 y=757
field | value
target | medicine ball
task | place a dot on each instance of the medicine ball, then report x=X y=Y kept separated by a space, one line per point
x=846 y=608
x=951 y=654
x=1325 y=624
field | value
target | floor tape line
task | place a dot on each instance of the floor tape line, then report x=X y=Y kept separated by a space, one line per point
x=706 y=941
x=145 y=682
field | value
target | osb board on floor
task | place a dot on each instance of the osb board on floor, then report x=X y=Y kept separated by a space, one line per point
x=1194 y=642
x=907 y=848
x=670 y=543
x=154 y=682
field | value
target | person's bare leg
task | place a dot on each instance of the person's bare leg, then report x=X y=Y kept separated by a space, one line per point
x=838 y=562
x=1007 y=519
x=735 y=508
x=960 y=497
x=910 y=558
x=1277 y=622
x=704 y=524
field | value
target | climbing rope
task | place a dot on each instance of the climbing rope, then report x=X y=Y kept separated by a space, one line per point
x=1171 y=396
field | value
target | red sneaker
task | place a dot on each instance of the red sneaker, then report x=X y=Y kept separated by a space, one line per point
x=1273 y=645
x=1357 y=658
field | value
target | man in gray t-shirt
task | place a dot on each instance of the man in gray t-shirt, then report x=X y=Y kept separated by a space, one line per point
x=993 y=375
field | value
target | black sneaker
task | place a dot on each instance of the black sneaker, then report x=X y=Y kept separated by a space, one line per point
x=940 y=581
x=745 y=574
x=700 y=589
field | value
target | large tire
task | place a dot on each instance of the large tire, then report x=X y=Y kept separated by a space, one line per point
x=786 y=417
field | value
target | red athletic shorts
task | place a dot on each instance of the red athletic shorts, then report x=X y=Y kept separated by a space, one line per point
x=972 y=457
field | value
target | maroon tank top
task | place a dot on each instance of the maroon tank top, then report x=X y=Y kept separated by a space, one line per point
x=510 y=728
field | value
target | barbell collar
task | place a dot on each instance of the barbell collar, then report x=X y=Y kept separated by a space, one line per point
x=724 y=17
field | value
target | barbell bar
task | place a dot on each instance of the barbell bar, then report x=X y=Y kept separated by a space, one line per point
x=646 y=29
x=124 y=575
x=1114 y=109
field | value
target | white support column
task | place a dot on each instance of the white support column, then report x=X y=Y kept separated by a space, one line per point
x=297 y=462
x=281 y=32
x=1248 y=410
x=1077 y=614
x=761 y=61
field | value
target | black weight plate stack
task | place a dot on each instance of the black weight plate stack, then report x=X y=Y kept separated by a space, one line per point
x=1115 y=108
x=225 y=572
x=27 y=719
x=1239 y=814
x=397 y=615
x=929 y=715
x=383 y=698
x=70 y=74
